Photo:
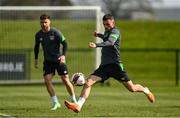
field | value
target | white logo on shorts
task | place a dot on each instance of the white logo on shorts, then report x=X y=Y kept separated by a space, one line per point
x=123 y=78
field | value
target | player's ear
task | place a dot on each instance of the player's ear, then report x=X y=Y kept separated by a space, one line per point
x=113 y=22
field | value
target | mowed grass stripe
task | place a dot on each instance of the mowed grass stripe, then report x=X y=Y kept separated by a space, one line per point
x=104 y=101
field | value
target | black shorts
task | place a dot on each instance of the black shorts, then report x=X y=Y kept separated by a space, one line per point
x=111 y=70
x=51 y=67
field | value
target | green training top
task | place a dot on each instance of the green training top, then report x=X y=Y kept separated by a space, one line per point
x=110 y=46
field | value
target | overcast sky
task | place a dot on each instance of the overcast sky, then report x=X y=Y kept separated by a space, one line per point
x=165 y=3
x=168 y=3
x=172 y=2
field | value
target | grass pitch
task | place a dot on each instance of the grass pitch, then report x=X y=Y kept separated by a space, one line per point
x=104 y=101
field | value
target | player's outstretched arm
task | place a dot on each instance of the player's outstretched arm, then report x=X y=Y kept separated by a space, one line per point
x=92 y=45
x=98 y=35
x=103 y=44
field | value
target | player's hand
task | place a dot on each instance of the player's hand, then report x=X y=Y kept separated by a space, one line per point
x=95 y=33
x=92 y=45
x=36 y=63
x=62 y=59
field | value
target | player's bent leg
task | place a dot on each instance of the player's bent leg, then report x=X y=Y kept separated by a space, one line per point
x=139 y=88
x=133 y=87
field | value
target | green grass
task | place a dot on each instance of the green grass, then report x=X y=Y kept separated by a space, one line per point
x=149 y=34
x=104 y=101
x=139 y=34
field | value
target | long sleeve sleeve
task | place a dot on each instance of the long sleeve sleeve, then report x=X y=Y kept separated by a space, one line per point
x=110 y=40
x=36 y=48
x=65 y=47
x=106 y=43
x=100 y=35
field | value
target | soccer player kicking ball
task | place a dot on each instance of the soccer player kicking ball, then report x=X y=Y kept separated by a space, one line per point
x=110 y=66
x=51 y=40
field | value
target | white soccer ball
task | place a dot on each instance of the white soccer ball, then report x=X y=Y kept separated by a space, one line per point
x=78 y=79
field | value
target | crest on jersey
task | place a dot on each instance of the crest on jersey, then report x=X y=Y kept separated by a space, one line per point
x=41 y=39
x=51 y=37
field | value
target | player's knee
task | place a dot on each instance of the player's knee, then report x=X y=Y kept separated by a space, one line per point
x=88 y=84
x=65 y=78
x=46 y=79
x=91 y=80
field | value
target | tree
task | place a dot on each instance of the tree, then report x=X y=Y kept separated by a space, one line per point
x=125 y=8
x=112 y=6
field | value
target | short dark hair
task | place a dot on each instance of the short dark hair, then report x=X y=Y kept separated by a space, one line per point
x=107 y=17
x=44 y=16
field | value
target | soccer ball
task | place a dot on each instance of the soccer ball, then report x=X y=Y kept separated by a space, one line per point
x=78 y=79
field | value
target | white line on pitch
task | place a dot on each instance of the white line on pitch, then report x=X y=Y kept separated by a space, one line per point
x=6 y=115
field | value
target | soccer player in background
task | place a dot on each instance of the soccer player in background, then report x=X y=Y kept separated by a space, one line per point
x=51 y=40
x=110 y=66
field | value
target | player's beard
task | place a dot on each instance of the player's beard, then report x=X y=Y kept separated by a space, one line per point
x=45 y=28
x=108 y=29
